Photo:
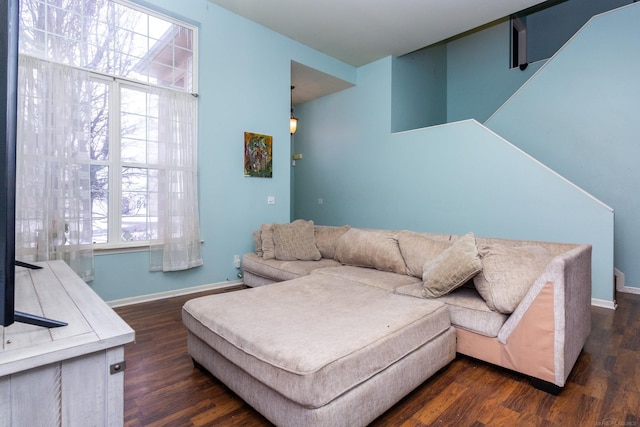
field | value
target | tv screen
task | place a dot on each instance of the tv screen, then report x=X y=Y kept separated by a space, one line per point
x=8 y=106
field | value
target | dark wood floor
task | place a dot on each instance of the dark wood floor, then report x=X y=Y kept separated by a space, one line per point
x=162 y=388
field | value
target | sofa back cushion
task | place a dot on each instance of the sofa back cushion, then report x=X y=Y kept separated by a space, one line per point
x=327 y=239
x=295 y=241
x=508 y=272
x=554 y=248
x=372 y=249
x=418 y=248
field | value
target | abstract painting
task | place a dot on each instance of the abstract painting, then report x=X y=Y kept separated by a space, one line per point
x=257 y=155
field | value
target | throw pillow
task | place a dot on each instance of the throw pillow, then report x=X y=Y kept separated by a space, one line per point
x=327 y=239
x=508 y=273
x=372 y=249
x=452 y=268
x=416 y=249
x=268 y=247
x=257 y=240
x=295 y=241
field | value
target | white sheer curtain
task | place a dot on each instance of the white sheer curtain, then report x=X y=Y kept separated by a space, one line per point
x=178 y=244
x=53 y=192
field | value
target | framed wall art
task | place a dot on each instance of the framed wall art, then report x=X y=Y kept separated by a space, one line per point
x=258 y=159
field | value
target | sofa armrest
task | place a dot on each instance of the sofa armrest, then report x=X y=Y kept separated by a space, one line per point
x=570 y=274
x=577 y=304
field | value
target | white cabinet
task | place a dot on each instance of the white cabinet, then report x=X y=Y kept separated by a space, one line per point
x=67 y=376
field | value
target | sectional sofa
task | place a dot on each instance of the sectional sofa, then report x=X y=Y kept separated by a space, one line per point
x=353 y=319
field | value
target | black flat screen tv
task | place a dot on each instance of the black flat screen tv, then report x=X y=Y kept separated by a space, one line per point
x=8 y=128
x=8 y=106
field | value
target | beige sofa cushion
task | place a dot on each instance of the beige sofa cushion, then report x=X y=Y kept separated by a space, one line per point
x=278 y=271
x=327 y=239
x=268 y=247
x=466 y=308
x=508 y=273
x=418 y=248
x=369 y=276
x=372 y=249
x=451 y=268
x=295 y=241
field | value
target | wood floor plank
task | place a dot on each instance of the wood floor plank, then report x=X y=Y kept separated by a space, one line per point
x=162 y=387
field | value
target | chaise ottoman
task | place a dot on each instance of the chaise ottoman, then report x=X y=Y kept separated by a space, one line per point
x=318 y=350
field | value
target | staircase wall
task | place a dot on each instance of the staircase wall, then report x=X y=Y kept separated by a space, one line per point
x=580 y=115
x=451 y=178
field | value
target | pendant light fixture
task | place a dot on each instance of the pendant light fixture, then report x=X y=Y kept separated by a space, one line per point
x=293 y=122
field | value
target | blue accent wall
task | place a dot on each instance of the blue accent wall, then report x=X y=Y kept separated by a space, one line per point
x=479 y=79
x=452 y=178
x=419 y=89
x=579 y=115
x=550 y=28
x=467 y=77
x=244 y=85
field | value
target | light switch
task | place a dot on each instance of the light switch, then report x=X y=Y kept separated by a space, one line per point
x=271 y=200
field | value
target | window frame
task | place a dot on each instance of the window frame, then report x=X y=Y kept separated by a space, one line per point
x=518 y=42
x=115 y=162
x=183 y=23
x=114 y=242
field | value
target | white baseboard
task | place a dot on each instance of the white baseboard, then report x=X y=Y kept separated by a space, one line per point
x=620 y=285
x=629 y=290
x=172 y=293
x=603 y=303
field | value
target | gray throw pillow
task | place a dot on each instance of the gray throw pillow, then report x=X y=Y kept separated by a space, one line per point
x=268 y=248
x=257 y=240
x=295 y=241
x=452 y=268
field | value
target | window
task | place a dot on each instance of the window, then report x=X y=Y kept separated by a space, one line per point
x=133 y=57
x=518 y=43
x=110 y=37
x=129 y=127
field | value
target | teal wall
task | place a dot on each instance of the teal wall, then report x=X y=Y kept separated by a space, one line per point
x=579 y=116
x=467 y=77
x=479 y=79
x=451 y=178
x=550 y=28
x=244 y=79
x=419 y=89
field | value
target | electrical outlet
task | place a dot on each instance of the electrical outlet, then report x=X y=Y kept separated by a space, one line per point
x=236 y=261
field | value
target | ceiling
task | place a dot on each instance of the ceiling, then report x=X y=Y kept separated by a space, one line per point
x=358 y=32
